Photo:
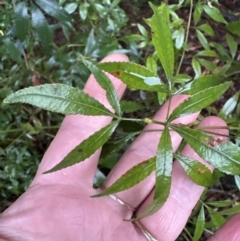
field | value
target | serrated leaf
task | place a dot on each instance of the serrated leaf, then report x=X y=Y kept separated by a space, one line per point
x=234 y=27
x=232 y=44
x=130 y=106
x=59 y=98
x=164 y=160
x=200 y=224
x=162 y=39
x=41 y=26
x=86 y=148
x=54 y=9
x=21 y=18
x=132 y=177
x=206 y=28
x=202 y=39
x=106 y=84
x=199 y=101
x=200 y=84
x=134 y=75
x=90 y=48
x=195 y=170
x=214 y=13
x=229 y=106
x=225 y=156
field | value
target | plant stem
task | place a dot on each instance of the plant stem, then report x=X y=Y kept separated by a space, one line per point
x=130 y=119
x=186 y=37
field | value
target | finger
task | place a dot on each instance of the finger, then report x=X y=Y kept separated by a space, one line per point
x=75 y=129
x=229 y=231
x=170 y=220
x=143 y=148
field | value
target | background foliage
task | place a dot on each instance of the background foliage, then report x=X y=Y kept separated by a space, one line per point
x=39 y=41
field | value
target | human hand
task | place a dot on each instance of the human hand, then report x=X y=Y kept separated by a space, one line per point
x=58 y=206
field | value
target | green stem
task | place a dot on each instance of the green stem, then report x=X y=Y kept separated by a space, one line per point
x=130 y=119
x=186 y=37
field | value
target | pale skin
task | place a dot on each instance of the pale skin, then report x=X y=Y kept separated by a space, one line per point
x=58 y=206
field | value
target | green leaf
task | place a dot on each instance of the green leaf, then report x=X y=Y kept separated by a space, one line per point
x=54 y=9
x=14 y=52
x=207 y=64
x=232 y=44
x=197 y=12
x=229 y=106
x=162 y=39
x=220 y=204
x=21 y=20
x=59 y=98
x=71 y=7
x=196 y=67
x=179 y=37
x=202 y=39
x=237 y=181
x=200 y=84
x=200 y=224
x=207 y=53
x=217 y=219
x=130 y=106
x=234 y=28
x=132 y=177
x=91 y=44
x=195 y=170
x=199 y=101
x=152 y=64
x=225 y=156
x=163 y=174
x=207 y=29
x=40 y=23
x=87 y=147
x=134 y=75
x=231 y=211
x=106 y=84
x=83 y=11
x=214 y=14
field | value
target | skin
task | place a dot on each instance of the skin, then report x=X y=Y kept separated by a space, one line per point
x=58 y=206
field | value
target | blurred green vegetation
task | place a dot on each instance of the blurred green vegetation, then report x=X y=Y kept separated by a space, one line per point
x=39 y=42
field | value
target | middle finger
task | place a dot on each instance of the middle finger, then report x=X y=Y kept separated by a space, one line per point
x=143 y=148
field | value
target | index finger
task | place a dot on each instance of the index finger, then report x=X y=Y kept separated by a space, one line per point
x=75 y=129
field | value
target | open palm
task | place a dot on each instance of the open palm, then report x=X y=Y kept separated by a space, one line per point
x=58 y=206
